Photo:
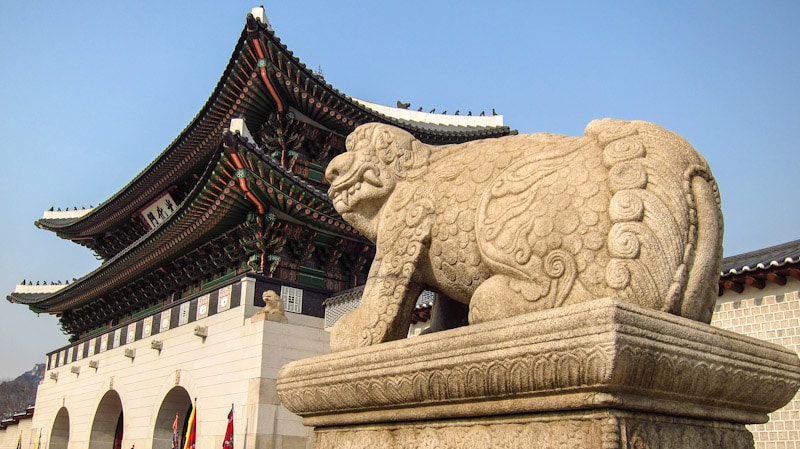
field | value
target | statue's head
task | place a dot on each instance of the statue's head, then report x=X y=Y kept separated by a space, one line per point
x=273 y=302
x=270 y=295
x=378 y=157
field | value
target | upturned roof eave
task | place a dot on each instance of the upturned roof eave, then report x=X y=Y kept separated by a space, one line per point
x=120 y=206
x=128 y=264
x=96 y=221
x=320 y=204
x=423 y=131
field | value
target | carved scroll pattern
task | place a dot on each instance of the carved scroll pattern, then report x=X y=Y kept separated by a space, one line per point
x=390 y=291
x=642 y=434
x=506 y=377
x=653 y=210
x=563 y=434
x=670 y=373
x=638 y=368
x=544 y=217
x=553 y=433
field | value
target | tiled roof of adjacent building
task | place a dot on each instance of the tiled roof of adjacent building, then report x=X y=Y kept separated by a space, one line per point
x=756 y=268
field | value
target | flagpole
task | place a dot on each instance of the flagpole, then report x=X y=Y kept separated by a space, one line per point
x=191 y=428
x=227 y=442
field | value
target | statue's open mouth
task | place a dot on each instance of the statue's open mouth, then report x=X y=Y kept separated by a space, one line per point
x=344 y=193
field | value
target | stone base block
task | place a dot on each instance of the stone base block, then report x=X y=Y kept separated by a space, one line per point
x=605 y=374
x=609 y=429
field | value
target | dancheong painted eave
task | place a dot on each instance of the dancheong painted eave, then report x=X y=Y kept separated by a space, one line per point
x=202 y=216
x=758 y=268
x=262 y=77
x=217 y=203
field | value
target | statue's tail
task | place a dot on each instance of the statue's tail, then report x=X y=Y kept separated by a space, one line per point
x=665 y=240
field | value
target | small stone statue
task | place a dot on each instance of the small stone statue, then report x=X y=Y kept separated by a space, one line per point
x=524 y=223
x=274 y=304
x=272 y=310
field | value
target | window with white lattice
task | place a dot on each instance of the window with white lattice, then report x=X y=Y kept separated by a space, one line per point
x=292 y=299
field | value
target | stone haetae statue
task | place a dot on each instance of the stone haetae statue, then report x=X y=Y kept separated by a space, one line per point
x=273 y=303
x=272 y=310
x=524 y=223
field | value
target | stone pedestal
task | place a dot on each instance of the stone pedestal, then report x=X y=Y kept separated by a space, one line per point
x=602 y=374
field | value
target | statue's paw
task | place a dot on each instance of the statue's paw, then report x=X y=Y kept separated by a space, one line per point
x=346 y=333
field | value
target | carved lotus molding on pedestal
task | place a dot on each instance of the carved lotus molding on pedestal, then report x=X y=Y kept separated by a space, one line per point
x=600 y=354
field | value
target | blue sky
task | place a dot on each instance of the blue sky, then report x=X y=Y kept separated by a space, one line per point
x=91 y=93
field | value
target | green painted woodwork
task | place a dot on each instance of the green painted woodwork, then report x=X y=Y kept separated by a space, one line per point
x=146 y=311
x=311 y=280
x=218 y=280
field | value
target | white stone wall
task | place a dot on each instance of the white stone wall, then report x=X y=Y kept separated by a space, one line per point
x=771 y=314
x=237 y=363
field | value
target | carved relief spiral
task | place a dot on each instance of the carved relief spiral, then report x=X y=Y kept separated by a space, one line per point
x=557 y=263
x=627 y=175
x=522 y=255
x=618 y=276
x=609 y=130
x=394 y=149
x=623 y=243
x=626 y=205
x=560 y=264
x=622 y=150
x=418 y=211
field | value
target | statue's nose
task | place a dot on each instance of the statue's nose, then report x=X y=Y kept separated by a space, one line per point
x=338 y=166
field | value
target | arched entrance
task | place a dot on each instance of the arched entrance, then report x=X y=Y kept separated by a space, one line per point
x=176 y=401
x=59 y=434
x=108 y=423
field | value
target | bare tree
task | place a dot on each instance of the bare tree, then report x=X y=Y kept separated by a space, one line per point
x=16 y=396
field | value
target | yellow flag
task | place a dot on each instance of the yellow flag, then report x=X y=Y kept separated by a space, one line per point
x=191 y=428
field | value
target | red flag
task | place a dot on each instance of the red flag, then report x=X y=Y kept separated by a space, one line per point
x=191 y=428
x=175 y=432
x=227 y=443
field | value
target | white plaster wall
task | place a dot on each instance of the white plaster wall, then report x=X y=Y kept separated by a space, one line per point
x=237 y=363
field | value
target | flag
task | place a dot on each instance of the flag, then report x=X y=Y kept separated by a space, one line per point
x=191 y=428
x=227 y=443
x=19 y=440
x=175 y=432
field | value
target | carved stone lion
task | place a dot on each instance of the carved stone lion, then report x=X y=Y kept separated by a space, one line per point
x=529 y=222
x=273 y=303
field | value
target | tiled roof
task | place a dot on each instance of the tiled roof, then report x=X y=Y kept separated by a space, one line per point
x=299 y=88
x=774 y=256
x=754 y=269
x=424 y=301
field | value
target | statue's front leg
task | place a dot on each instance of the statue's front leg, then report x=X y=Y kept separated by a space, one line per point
x=385 y=310
x=391 y=290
